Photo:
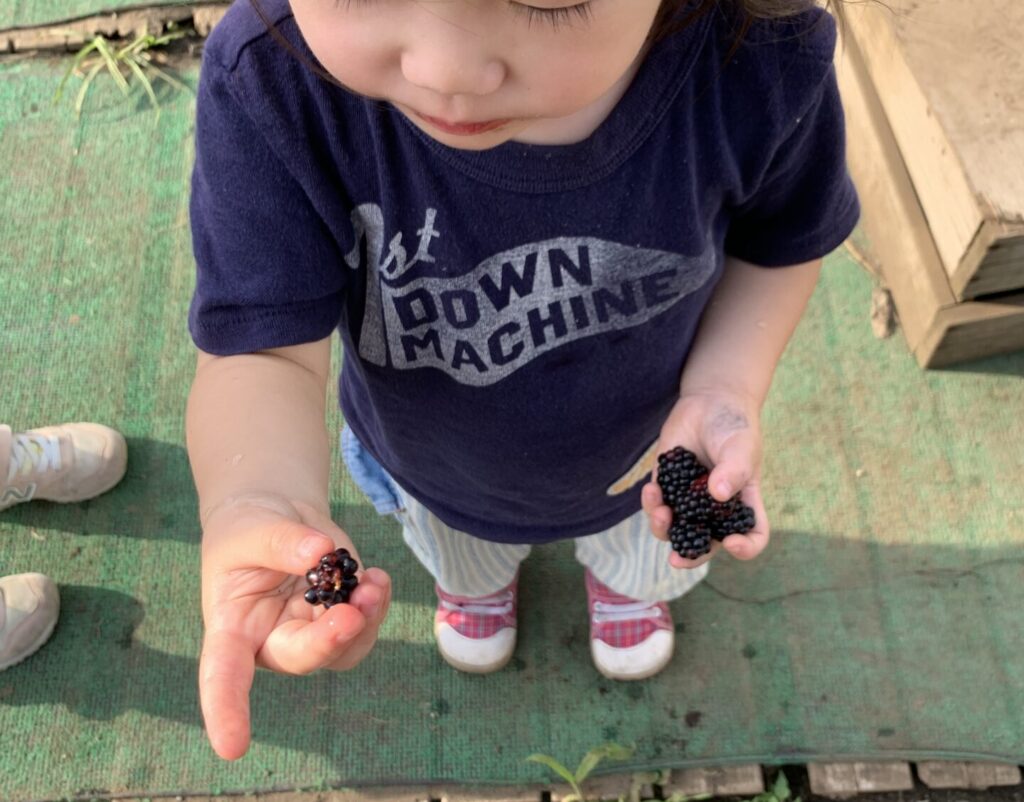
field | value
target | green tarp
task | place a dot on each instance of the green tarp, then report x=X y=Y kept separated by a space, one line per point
x=883 y=622
x=33 y=13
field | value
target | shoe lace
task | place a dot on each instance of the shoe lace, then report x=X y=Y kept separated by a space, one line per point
x=33 y=454
x=612 y=606
x=630 y=611
x=498 y=604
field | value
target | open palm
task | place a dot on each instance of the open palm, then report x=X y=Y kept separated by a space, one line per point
x=254 y=563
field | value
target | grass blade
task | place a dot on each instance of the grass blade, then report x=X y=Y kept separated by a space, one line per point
x=169 y=79
x=86 y=83
x=558 y=769
x=144 y=80
x=79 y=58
x=137 y=44
x=611 y=751
x=113 y=67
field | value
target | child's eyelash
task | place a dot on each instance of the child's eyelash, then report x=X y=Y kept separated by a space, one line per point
x=555 y=16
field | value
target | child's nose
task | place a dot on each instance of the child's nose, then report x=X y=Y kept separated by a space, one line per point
x=445 y=67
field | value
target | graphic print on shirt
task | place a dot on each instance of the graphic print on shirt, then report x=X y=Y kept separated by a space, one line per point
x=485 y=324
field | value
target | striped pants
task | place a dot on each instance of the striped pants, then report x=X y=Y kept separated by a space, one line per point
x=627 y=557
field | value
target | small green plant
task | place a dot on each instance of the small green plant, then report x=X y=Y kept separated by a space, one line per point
x=590 y=761
x=779 y=792
x=135 y=59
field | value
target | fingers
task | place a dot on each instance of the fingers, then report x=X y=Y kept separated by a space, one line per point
x=659 y=515
x=226 y=669
x=372 y=598
x=750 y=545
x=339 y=638
x=734 y=465
x=302 y=647
x=676 y=561
x=287 y=546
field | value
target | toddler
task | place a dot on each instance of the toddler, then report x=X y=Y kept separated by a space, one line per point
x=556 y=239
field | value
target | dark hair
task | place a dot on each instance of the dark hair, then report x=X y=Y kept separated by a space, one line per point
x=673 y=15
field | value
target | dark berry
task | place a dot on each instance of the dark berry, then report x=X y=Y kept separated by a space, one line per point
x=697 y=517
x=332 y=579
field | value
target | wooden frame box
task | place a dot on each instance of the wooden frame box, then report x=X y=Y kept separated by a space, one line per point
x=939 y=328
x=949 y=75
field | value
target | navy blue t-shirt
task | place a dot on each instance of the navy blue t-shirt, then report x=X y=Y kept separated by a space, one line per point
x=514 y=321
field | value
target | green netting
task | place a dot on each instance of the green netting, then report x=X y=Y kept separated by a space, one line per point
x=30 y=13
x=884 y=621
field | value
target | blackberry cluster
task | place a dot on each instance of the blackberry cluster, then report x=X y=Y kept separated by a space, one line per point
x=333 y=579
x=697 y=517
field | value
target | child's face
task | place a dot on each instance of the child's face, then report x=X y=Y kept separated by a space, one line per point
x=476 y=73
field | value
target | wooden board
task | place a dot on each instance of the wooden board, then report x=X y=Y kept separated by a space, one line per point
x=950 y=77
x=939 y=329
x=128 y=22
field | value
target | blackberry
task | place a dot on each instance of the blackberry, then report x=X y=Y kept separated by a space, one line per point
x=697 y=517
x=333 y=579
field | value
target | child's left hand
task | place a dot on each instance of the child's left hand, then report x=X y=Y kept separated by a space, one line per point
x=723 y=430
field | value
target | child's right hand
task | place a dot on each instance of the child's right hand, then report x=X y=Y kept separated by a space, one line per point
x=255 y=555
x=723 y=429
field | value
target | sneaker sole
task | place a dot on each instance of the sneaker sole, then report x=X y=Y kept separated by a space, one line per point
x=473 y=668
x=629 y=677
x=645 y=674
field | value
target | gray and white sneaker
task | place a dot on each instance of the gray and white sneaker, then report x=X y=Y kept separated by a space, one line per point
x=71 y=462
x=29 y=607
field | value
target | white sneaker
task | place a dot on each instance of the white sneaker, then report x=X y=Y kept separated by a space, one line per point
x=29 y=607
x=72 y=462
x=477 y=635
x=629 y=639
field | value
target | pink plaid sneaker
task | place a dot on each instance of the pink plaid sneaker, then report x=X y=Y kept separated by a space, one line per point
x=477 y=635
x=629 y=639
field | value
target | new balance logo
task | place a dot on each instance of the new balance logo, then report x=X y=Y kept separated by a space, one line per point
x=13 y=495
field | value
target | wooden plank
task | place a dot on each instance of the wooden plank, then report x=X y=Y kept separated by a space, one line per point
x=484 y=794
x=972 y=330
x=967 y=57
x=131 y=22
x=603 y=786
x=898 y=235
x=946 y=72
x=892 y=776
x=939 y=330
x=937 y=174
x=834 y=780
x=998 y=250
x=988 y=775
x=205 y=18
x=718 y=781
x=954 y=774
x=843 y=780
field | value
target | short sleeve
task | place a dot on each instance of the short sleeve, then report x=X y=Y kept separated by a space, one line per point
x=806 y=204
x=268 y=271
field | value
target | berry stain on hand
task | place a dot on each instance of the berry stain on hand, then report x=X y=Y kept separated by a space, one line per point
x=332 y=580
x=697 y=516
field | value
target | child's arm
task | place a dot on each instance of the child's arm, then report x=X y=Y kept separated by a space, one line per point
x=261 y=459
x=742 y=335
x=255 y=426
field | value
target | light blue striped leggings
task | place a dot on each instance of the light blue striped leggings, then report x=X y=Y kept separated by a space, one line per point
x=627 y=558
